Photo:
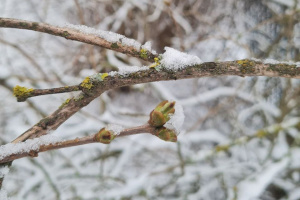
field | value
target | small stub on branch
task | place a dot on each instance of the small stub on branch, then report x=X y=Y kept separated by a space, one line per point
x=22 y=93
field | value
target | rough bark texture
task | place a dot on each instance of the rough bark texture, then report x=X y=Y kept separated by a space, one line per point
x=71 y=34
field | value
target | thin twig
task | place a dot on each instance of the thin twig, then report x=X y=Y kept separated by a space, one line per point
x=77 y=142
x=72 y=34
x=39 y=92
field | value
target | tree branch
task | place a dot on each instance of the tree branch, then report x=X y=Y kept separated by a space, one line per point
x=76 y=142
x=23 y=93
x=95 y=86
x=72 y=34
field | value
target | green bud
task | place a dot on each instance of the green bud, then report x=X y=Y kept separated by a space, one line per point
x=161 y=114
x=104 y=136
x=166 y=134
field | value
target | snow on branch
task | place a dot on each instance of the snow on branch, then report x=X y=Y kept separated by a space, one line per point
x=93 y=86
x=88 y=35
x=175 y=60
x=254 y=186
x=172 y=65
x=166 y=111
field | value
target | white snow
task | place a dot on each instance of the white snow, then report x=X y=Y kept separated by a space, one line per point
x=125 y=71
x=116 y=129
x=288 y=3
x=4 y=72
x=3 y=195
x=148 y=47
x=175 y=60
x=252 y=187
x=3 y=171
x=275 y=62
x=107 y=35
x=27 y=146
x=176 y=120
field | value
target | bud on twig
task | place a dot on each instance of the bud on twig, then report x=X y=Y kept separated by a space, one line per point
x=166 y=134
x=105 y=136
x=161 y=114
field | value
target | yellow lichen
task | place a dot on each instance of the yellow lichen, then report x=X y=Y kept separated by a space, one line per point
x=246 y=66
x=246 y=62
x=104 y=75
x=143 y=53
x=86 y=83
x=20 y=92
x=65 y=103
x=156 y=60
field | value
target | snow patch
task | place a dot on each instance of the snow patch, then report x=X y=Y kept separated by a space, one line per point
x=148 y=47
x=176 y=120
x=4 y=72
x=3 y=171
x=276 y=62
x=27 y=146
x=116 y=129
x=3 y=195
x=125 y=71
x=106 y=35
x=252 y=187
x=175 y=60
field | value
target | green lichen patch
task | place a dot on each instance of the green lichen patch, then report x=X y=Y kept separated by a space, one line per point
x=78 y=98
x=221 y=148
x=261 y=134
x=87 y=83
x=65 y=103
x=213 y=68
x=22 y=93
x=23 y=25
x=284 y=69
x=143 y=53
x=98 y=77
x=114 y=45
x=246 y=66
x=34 y=25
x=66 y=34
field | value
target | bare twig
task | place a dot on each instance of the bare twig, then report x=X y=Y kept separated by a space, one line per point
x=22 y=96
x=76 y=142
x=72 y=34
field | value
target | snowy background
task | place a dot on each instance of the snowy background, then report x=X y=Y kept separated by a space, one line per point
x=240 y=138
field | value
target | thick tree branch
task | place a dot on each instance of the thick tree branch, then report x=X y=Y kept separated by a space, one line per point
x=97 y=86
x=239 y=68
x=72 y=34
